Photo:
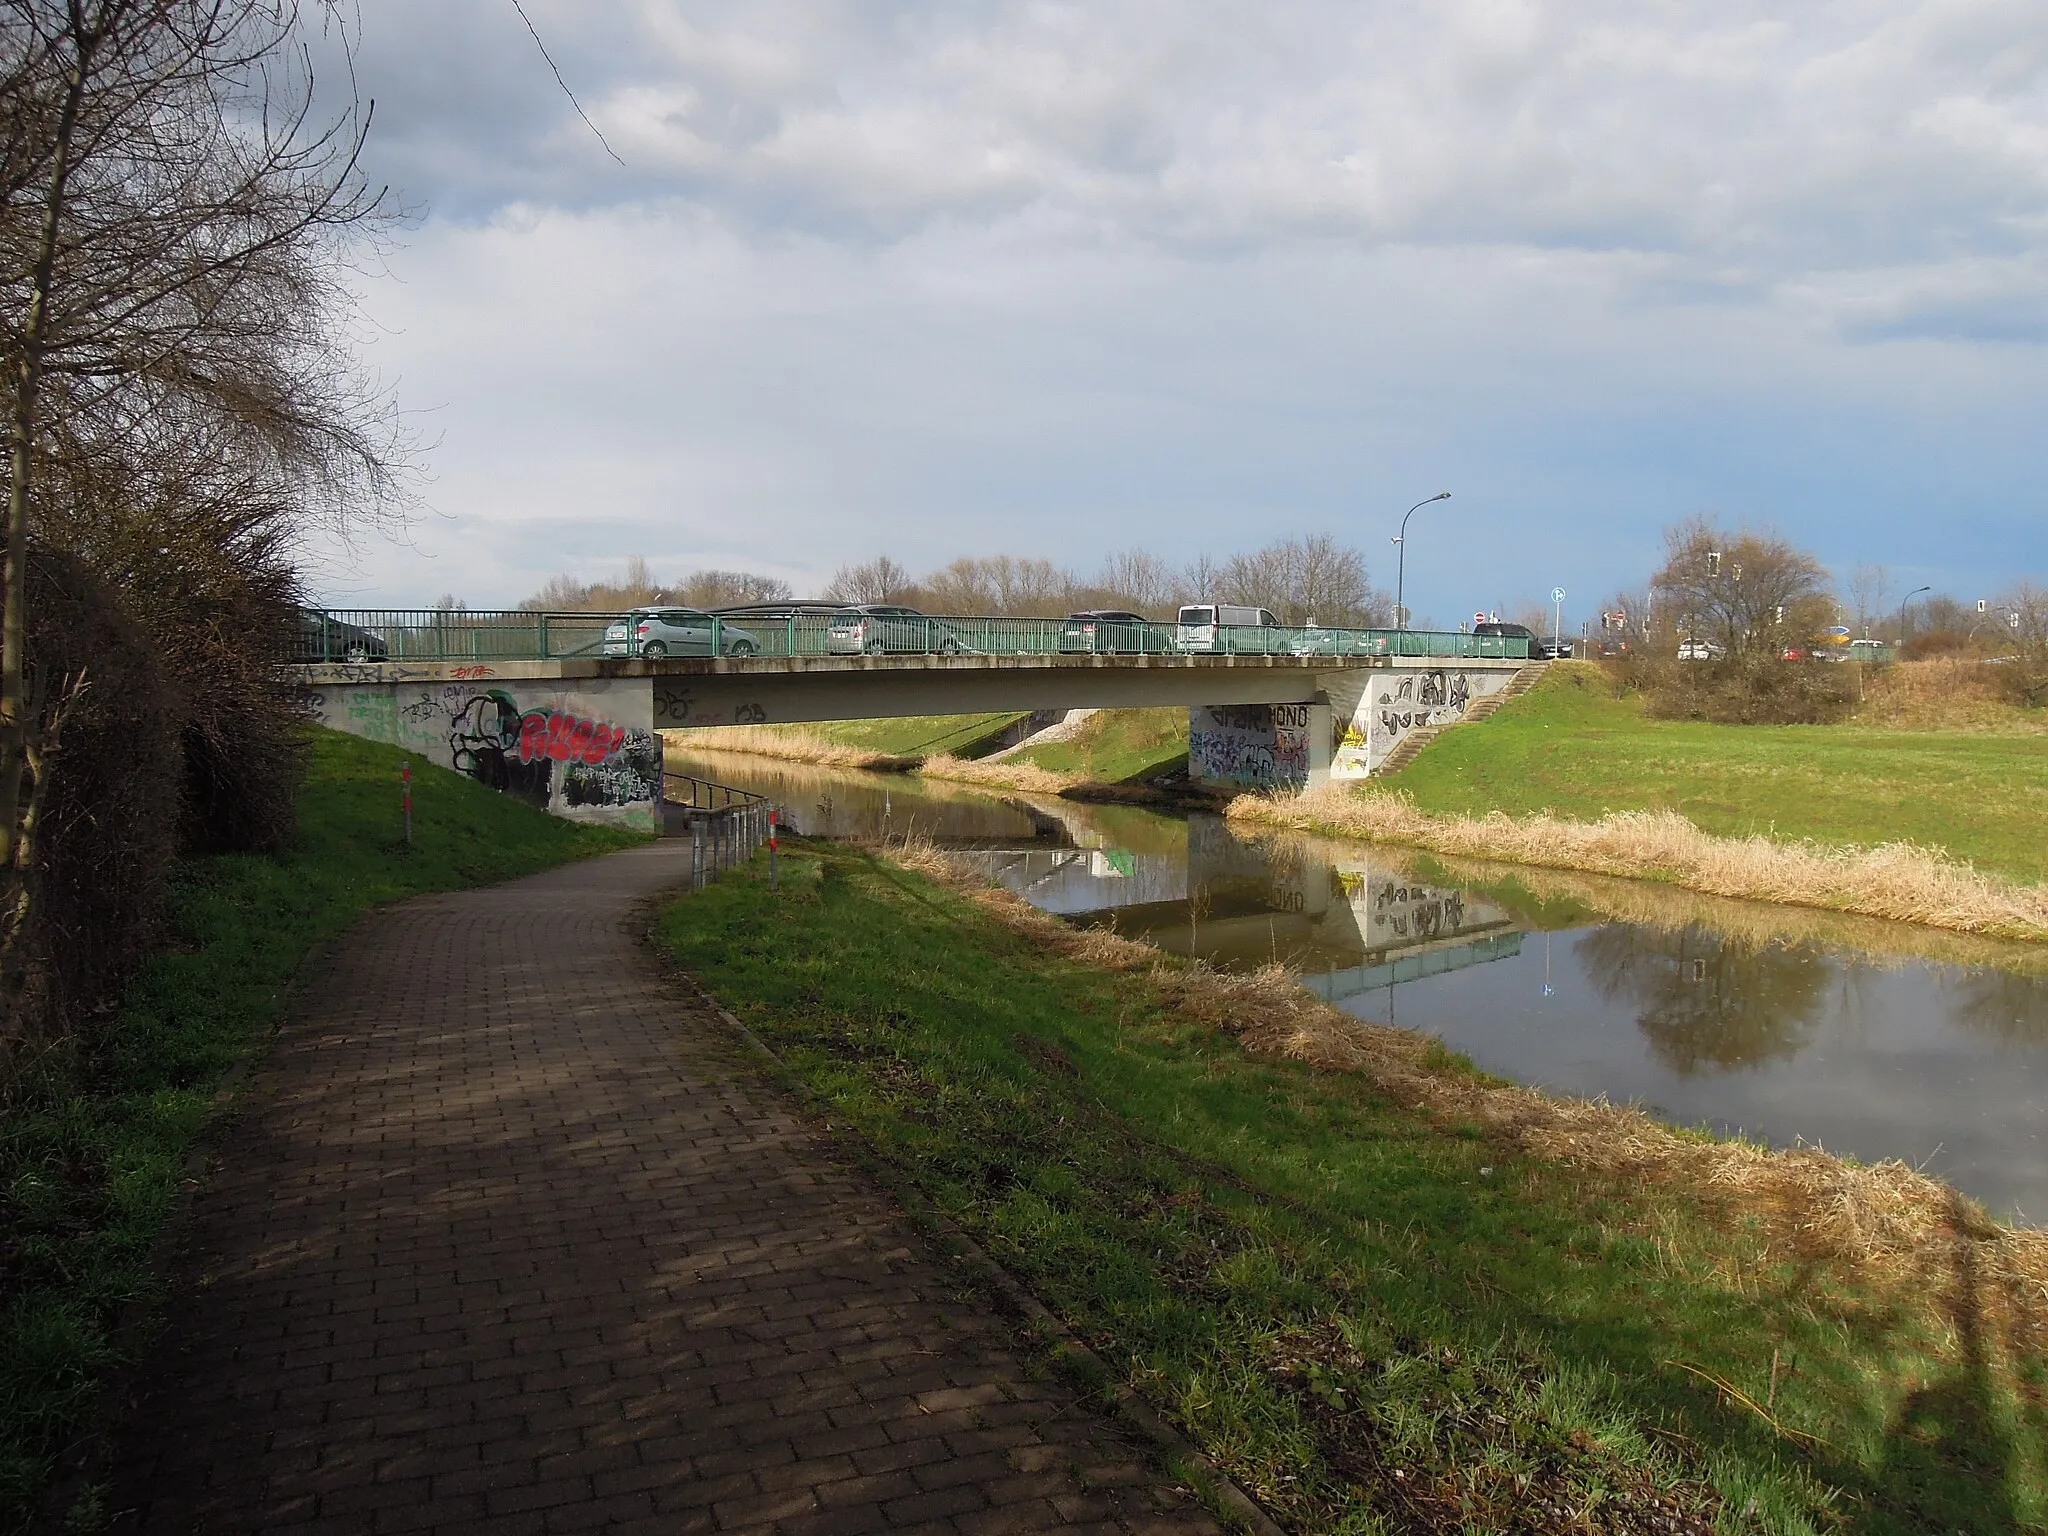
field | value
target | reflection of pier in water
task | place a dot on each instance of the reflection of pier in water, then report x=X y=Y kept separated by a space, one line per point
x=1347 y=927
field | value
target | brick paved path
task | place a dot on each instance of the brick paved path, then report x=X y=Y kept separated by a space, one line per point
x=511 y=1238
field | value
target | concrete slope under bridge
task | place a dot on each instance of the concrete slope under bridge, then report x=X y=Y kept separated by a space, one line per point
x=578 y=736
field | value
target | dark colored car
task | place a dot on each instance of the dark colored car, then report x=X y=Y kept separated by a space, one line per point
x=1114 y=632
x=875 y=628
x=324 y=638
x=1499 y=631
x=1540 y=648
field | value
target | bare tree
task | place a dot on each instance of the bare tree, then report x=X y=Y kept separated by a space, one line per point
x=1753 y=593
x=2021 y=611
x=1870 y=594
x=1200 y=580
x=1302 y=579
x=880 y=580
x=1635 y=620
x=169 y=219
x=1136 y=579
x=720 y=589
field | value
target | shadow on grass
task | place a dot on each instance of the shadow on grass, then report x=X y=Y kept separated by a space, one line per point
x=1947 y=1463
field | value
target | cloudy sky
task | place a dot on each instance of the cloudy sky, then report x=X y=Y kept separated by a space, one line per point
x=1056 y=279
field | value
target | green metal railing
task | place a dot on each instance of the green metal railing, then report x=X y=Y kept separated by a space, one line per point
x=386 y=634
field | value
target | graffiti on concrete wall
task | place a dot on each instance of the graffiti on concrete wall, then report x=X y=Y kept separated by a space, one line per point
x=1251 y=744
x=574 y=752
x=553 y=757
x=1397 y=703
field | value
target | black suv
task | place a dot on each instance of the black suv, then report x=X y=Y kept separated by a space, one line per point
x=1540 y=649
x=1114 y=631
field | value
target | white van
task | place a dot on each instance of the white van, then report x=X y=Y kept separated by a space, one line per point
x=1200 y=626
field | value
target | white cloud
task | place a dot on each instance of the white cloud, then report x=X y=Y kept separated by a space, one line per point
x=975 y=276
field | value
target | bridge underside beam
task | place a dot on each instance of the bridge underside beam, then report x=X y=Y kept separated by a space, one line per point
x=758 y=696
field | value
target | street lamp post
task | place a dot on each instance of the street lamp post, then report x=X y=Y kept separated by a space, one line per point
x=1401 y=557
x=1902 y=613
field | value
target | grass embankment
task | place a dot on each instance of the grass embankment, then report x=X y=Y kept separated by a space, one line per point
x=1399 y=1297
x=1111 y=749
x=889 y=745
x=95 y=1138
x=1946 y=829
x=1572 y=748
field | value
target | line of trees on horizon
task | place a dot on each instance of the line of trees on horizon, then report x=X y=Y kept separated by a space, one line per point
x=1315 y=577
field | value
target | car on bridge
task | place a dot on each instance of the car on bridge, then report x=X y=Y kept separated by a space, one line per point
x=655 y=632
x=325 y=638
x=875 y=629
x=1540 y=649
x=1113 y=632
x=1208 y=626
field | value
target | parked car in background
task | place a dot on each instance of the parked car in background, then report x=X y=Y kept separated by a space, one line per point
x=875 y=629
x=322 y=638
x=1113 y=632
x=1201 y=626
x=655 y=632
x=1700 y=650
x=1539 y=648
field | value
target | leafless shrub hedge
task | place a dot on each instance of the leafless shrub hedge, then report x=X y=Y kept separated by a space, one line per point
x=1742 y=690
x=109 y=819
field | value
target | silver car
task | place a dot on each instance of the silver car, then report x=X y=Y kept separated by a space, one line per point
x=653 y=633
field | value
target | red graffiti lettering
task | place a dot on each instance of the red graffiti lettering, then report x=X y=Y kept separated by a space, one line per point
x=568 y=738
x=476 y=671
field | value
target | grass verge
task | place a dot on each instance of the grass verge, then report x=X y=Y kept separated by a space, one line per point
x=1399 y=1296
x=1571 y=748
x=95 y=1137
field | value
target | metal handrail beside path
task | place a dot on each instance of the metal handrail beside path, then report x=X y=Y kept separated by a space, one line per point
x=726 y=825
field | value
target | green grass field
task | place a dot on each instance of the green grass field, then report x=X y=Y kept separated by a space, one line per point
x=1117 y=746
x=1376 y=1320
x=93 y=1142
x=1571 y=747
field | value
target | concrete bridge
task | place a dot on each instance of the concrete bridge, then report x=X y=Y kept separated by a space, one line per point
x=579 y=736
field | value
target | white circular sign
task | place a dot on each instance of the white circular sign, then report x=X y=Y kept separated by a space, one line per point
x=1557 y=594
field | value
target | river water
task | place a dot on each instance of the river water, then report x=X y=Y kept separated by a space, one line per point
x=1877 y=1040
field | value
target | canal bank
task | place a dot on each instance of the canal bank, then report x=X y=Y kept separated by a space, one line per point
x=1395 y=1296
x=1782 y=1025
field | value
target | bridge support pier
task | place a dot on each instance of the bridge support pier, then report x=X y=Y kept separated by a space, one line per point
x=1261 y=746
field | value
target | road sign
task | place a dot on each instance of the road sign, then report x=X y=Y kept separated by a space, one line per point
x=1557 y=594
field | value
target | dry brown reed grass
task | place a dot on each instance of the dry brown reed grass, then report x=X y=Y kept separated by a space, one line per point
x=1943 y=693
x=1670 y=908
x=1901 y=882
x=1026 y=778
x=791 y=743
x=1892 y=1229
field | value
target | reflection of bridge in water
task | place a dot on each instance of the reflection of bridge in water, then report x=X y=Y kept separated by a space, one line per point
x=1345 y=925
